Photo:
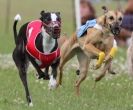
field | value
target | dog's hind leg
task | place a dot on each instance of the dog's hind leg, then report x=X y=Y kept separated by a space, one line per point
x=68 y=51
x=21 y=61
x=70 y=54
x=83 y=66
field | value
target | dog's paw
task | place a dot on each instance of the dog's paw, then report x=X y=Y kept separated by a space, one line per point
x=112 y=72
x=97 y=79
x=52 y=83
x=39 y=76
x=42 y=76
x=46 y=77
x=30 y=104
x=95 y=67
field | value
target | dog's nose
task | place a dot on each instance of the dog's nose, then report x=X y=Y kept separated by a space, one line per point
x=117 y=24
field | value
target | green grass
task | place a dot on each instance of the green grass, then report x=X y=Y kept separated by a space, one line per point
x=112 y=93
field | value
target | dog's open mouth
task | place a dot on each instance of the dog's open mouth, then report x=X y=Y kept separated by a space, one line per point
x=115 y=30
x=56 y=32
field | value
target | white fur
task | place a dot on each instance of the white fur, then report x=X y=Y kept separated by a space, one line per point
x=99 y=27
x=17 y=17
x=48 y=41
x=115 y=44
x=53 y=17
x=38 y=62
x=52 y=82
x=30 y=31
x=31 y=104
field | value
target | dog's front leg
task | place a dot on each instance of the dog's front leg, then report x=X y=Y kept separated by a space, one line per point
x=68 y=51
x=52 y=81
x=90 y=48
x=46 y=72
x=111 y=48
x=105 y=69
x=39 y=71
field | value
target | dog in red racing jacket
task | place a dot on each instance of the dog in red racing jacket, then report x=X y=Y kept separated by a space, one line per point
x=37 y=42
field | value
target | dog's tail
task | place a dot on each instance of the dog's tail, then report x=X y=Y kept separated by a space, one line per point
x=16 y=19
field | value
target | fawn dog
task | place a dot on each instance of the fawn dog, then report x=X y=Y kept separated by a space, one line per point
x=98 y=43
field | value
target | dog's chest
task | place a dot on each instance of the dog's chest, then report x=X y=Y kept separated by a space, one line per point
x=102 y=43
x=46 y=58
x=48 y=43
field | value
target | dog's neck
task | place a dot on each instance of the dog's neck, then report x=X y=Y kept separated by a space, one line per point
x=102 y=22
x=48 y=42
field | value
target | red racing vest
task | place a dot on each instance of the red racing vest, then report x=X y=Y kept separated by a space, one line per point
x=33 y=29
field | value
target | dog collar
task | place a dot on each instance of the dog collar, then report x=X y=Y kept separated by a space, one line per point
x=99 y=27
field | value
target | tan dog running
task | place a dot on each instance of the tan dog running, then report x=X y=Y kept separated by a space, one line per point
x=98 y=43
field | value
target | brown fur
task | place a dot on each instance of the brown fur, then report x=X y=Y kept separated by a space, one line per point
x=61 y=40
x=89 y=47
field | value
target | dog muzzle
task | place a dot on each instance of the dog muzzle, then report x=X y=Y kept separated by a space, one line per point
x=54 y=30
x=115 y=30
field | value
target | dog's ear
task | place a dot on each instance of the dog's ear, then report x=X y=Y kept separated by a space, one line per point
x=42 y=12
x=120 y=10
x=58 y=13
x=105 y=9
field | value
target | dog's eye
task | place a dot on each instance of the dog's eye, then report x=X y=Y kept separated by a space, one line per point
x=111 y=18
x=47 y=19
x=120 y=19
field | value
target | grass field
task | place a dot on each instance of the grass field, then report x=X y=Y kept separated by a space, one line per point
x=112 y=93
